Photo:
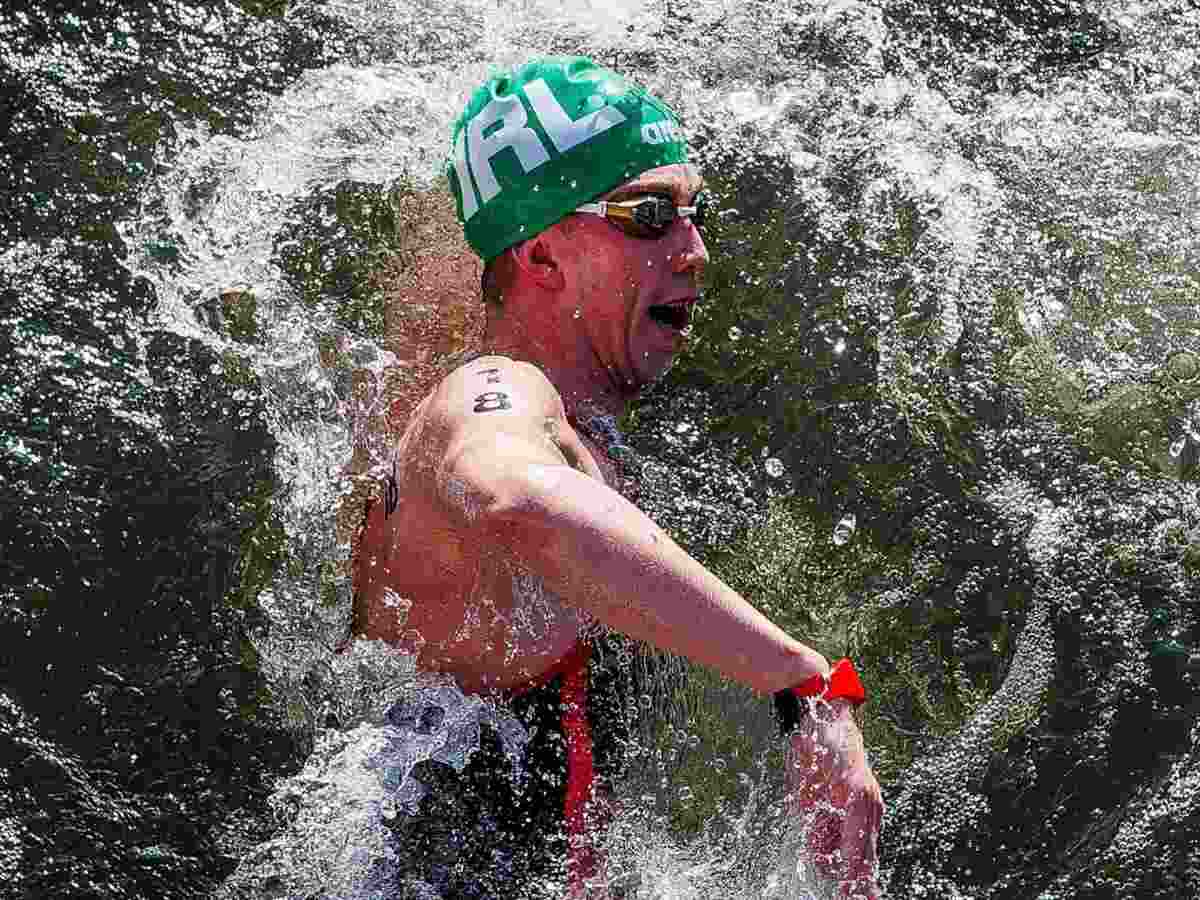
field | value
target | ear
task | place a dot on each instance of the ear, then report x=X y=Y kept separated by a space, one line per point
x=539 y=260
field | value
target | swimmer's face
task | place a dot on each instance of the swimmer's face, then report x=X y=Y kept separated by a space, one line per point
x=633 y=296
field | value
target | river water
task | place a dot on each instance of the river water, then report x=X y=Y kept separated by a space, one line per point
x=1027 y=155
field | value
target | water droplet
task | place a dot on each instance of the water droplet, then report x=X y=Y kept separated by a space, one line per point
x=845 y=529
x=578 y=314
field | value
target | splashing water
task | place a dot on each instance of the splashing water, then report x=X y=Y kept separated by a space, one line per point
x=826 y=87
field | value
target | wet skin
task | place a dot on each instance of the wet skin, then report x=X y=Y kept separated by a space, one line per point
x=437 y=587
x=434 y=585
x=506 y=541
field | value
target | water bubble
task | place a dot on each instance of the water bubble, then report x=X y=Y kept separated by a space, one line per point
x=774 y=467
x=1183 y=366
x=844 y=529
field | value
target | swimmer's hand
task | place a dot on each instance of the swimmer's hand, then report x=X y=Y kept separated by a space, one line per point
x=831 y=786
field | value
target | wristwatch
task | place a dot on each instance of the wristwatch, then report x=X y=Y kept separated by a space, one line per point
x=842 y=683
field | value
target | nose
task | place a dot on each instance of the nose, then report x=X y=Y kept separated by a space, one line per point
x=691 y=255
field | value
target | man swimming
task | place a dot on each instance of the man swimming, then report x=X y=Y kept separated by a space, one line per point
x=502 y=537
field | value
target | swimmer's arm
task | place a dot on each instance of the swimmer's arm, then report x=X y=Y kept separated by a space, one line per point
x=506 y=480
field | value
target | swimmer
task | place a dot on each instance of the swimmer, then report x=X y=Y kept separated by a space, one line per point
x=501 y=528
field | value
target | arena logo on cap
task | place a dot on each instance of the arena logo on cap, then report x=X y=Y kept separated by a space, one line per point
x=516 y=134
x=664 y=132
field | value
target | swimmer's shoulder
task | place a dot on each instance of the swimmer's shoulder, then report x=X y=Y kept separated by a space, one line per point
x=496 y=398
x=486 y=392
x=493 y=384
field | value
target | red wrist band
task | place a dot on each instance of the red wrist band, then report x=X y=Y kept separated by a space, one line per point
x=843 y=683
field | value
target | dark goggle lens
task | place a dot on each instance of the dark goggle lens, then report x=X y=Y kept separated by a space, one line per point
x=654 y=215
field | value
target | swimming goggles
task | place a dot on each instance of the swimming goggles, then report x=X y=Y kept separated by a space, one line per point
x=649 y=216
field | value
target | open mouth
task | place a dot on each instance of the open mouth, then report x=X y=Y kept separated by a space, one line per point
x=677 y=315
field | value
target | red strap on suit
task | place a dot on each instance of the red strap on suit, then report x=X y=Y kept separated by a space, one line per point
x=581 y=773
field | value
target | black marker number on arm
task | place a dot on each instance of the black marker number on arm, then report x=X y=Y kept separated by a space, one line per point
x=493 y=375
x=490 y=401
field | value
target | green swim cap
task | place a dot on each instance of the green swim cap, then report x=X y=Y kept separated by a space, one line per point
x=536 y=142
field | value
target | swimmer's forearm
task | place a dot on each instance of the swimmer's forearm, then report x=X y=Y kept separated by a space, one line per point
x=600 y=552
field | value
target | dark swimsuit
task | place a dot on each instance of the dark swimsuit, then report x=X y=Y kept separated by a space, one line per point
x=489 y=833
